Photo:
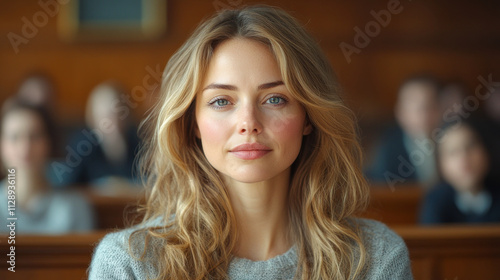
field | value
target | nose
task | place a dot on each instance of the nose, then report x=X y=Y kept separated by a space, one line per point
x=248 y=121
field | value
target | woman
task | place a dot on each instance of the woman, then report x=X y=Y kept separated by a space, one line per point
x=254 y=166
x=466 y=195
x=27 y=141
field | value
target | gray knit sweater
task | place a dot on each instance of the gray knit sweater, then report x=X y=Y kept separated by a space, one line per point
x=387 y=258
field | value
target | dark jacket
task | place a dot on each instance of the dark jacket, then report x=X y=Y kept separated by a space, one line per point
x=439 y=207
x=391 y=163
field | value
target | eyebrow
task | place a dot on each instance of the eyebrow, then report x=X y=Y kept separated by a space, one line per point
x=231 y=87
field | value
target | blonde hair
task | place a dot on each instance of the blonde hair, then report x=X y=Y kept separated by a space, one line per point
x=186 y=193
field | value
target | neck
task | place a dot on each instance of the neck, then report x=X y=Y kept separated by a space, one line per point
x=476 y=189
x=261 y=211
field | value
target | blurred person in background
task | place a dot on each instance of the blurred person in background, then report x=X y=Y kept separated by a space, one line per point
x=406 y=151
x=465 y=195
x=27 y=141
x=451 y=98
x=111 y=137
x=492 y=135
x=37 y=89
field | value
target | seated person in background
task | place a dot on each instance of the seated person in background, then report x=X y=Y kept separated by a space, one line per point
x=37 y=89
x=113 y=142
x=406 y=151
x=26 y=138
x=465 y=196
x=492 y=110
x=451 y=98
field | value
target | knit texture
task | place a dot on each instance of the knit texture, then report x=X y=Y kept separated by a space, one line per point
x=387 y=258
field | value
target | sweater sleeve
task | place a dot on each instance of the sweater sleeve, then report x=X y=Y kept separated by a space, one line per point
x=396 y=264
x=111 y=259
x=388 y=256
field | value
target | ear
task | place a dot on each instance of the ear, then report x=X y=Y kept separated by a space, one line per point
x=308 y=128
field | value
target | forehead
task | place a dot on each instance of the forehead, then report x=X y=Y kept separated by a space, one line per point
x=242 y=59
x=20 y=120
x=418 y=92
x=456 y=136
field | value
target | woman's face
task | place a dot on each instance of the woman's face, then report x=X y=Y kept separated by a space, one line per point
x=104 y=110
x=24 y=142
x=250 y=126
x=463 y=158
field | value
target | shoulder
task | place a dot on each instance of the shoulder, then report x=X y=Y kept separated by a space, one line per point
x=119 y=255
x=387 y=254
x=67 y=199
x=378 y=238
x=111 y=259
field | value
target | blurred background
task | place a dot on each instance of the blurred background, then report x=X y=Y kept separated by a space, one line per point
x=407 y=68
x=452 y=39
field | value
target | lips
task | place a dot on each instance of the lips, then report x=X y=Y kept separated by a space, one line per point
x=250 y=151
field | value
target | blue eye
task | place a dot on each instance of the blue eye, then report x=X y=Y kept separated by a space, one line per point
x=222 y=102
x=276 y=100
x=219 y=103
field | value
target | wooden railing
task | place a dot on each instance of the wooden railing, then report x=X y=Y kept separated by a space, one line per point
x=453 y=252
x=49 y=256
x=395 y=206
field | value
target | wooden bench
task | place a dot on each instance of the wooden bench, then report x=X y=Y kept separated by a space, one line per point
x=398 y=206
x=45 y=257
x=114 y=206
x=113 y=211
x=453 y=252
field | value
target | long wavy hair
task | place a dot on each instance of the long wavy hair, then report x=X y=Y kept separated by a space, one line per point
x=187 y=194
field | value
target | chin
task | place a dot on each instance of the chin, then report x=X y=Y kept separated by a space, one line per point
x=250 y=177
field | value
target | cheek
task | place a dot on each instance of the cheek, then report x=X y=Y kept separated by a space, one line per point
x=212 y=131
x=8 y=152
x=41 y=149
x=479 y=160
x=448 y=167
x=289 y=129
